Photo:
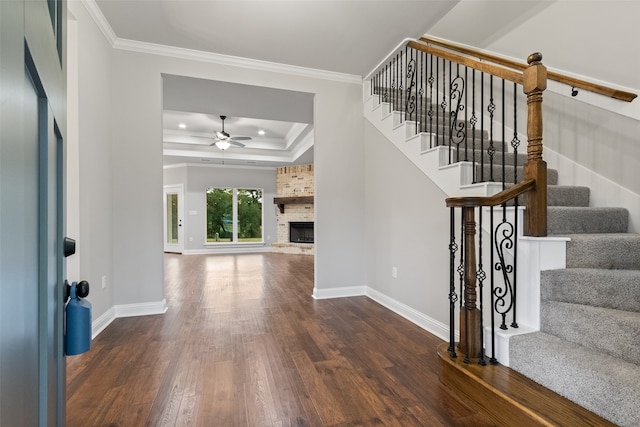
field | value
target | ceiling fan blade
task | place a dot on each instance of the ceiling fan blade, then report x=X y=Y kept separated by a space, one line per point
x=241 y=138
x=236 y=143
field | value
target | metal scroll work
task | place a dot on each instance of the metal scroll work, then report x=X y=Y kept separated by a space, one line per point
x=458 y=129
x=410 y=106
x=504 y=295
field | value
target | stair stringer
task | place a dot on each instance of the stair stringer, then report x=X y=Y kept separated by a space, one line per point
x=535 y=254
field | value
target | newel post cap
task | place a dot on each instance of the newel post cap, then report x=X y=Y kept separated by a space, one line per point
x=535 y=76
x=534 y=58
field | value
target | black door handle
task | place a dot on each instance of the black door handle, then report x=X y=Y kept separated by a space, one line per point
x=68 y=246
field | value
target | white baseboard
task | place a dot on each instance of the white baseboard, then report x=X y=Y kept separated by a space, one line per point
x=102 y=322
x=126 y=310
x=228 y=250
x=427 y=323
x=142 y=309
x=351 y=291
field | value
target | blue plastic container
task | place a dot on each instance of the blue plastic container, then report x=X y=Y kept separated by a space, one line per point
x=78 y=321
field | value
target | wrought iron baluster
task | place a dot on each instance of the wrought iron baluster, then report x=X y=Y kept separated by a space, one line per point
x=466 y=124
x=504 y=139
x=482 y=127
x=410 y=106
x=400 y=87
x=421 y=114
x=462 y=260
x=515 y=143
x=431 y=81
x=473 y=121
x=453 y=297
x=493 y=359
x=457 y=129
x=394 y=84
x=491 y=108
x=504 y=240
x=481 y=276
x=443 y=107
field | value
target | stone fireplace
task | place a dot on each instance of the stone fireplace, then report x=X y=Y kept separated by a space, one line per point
x=295 y=213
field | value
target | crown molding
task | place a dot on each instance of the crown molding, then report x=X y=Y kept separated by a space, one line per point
x=97 y=16
x=214 y=58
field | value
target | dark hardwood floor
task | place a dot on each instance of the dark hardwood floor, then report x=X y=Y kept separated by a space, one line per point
x=244 y=344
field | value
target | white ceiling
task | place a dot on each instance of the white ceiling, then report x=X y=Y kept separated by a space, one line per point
x=347 y=38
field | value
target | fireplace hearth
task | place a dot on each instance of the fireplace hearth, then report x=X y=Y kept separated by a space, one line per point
x=301 y=232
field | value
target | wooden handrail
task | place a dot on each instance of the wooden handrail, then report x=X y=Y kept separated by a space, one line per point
x=498 y=71
x=571 y=81
x=495 y=200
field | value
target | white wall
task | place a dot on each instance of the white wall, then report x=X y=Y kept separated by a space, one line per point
x=197 y=178
x=407 y=227
x=93 y=166
x=594 y=140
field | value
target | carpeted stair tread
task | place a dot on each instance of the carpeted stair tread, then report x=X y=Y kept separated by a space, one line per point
x=615 y=332
x=483 y=172
x=615 y=289
x=619 y=251
x=572 y=220
x=567 y=195
x=607 y=386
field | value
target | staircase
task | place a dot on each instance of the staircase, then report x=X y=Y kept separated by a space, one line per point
x=588 y=348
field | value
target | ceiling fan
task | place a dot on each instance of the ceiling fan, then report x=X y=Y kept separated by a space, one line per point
x=223 y=140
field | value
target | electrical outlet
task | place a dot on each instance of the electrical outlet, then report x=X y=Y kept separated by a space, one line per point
x=104 y=282
x=394 y=272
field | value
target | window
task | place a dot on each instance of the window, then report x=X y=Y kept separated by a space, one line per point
x=234 y=215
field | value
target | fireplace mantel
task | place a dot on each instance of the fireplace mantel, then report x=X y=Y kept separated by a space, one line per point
x=296 y=200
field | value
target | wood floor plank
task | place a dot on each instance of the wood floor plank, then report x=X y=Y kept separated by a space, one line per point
x=244 y=344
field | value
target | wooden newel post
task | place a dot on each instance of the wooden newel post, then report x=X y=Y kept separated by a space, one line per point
x=470 y=320
x=535 y=82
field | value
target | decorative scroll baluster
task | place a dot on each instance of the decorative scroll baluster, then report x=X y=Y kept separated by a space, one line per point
x=410 y=105
x=504 y=236
x=457 y=128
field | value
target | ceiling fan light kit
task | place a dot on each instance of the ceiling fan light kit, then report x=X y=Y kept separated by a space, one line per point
x=223 y=144
x=224 y=140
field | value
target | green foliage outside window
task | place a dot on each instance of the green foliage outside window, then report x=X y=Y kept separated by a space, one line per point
x=250 y=215
x=220 y=213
